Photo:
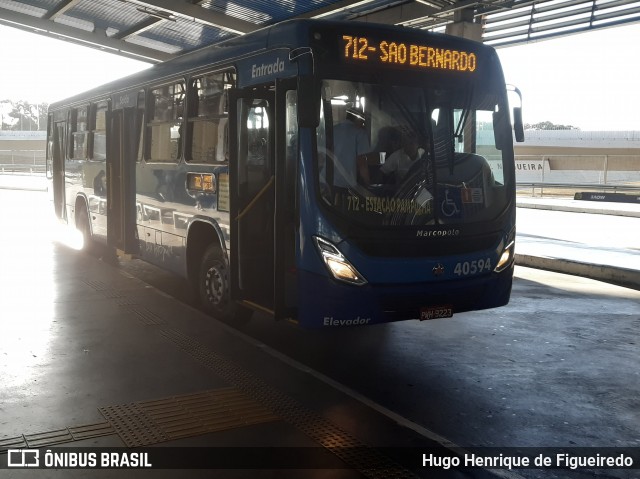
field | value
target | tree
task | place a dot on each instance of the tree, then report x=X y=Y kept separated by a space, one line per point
x=23 y=116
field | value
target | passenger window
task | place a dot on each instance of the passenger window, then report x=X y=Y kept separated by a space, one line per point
x=79 y=135
x=99 y=119
x=209 y=118
x=166 y=105
x=139 y=122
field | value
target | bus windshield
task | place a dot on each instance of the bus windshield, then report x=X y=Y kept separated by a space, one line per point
x=391 y=155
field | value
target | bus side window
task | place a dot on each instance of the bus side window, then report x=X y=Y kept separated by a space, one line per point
x=50 y=134
x=99 y=132
x=292 y=137
x=139 y=122
x=209 y=118
x=165 y=125
x=79 y=134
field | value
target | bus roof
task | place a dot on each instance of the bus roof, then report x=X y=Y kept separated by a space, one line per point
x=287 y=35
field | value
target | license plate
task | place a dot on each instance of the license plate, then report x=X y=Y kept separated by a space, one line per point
x=436 y=312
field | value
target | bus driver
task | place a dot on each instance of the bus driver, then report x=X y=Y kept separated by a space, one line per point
x=397 y=164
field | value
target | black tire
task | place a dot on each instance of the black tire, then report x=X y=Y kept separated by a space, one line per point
x=213 y=287
x=82 y=225
x=90 y=246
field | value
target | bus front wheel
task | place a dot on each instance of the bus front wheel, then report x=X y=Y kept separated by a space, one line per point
x=213 y=287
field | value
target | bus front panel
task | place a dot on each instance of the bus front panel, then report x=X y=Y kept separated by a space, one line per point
x=410 y=211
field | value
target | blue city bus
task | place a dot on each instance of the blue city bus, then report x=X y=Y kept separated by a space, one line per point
x=328 y=173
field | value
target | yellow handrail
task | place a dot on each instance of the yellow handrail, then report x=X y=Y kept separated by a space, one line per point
x=256 y=198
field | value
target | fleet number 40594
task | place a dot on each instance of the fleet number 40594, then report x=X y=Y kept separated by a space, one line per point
x=465 y=268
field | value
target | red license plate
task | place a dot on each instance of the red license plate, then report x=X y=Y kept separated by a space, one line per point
x=436 y=312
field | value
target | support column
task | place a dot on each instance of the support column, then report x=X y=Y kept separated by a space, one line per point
x=464 y=26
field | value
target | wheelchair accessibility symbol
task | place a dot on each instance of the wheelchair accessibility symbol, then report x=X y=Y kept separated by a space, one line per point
x=450 y=206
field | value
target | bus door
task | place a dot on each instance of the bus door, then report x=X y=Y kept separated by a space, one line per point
x=57 y=173
x=286 y=218
x=252 y=176
x=121 y=157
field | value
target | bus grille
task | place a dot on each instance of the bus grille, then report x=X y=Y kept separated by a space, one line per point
x=420 y=247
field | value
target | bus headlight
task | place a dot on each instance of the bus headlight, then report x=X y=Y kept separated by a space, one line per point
x=337 y=264
x=505 y=257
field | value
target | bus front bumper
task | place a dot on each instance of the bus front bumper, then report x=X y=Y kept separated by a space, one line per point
x=325 y=302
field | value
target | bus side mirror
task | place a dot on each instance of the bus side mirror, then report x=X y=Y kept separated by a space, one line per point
x=518 y=126
x=308 y=102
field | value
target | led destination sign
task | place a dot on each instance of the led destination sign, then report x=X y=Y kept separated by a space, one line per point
x=367 y=50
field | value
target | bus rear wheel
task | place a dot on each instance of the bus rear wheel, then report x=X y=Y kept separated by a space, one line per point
x=213 y=287
x=83 y=226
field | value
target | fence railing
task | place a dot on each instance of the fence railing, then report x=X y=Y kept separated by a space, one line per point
x=536 y=172
x=578 y=168
x=564 y=175
x=30 y=162
x=569 y=189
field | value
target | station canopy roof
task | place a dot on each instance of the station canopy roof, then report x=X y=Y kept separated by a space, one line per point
x=157 y=30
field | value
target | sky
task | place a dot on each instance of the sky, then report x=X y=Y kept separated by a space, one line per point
x=589 y=80
x=41 y=69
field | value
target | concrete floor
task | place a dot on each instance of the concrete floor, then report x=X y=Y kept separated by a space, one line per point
x=83 y=341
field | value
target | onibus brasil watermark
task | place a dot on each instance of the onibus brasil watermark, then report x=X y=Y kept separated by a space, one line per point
x=70 y=460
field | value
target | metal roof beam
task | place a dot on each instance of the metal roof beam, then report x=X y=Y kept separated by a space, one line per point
x=615 y=3
x=60 y=9
x=598 y=17
x=444 y=14
x=538 y=16
x=138 y=28
x=399 y=14
x=556 y=6
x=579 y=17
x=199 y=14
x=566 y=14
x=95 y=40
x=334 y=8
x=487 y=7
x=516 y=14
x=518 y=39
x=491 y=28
